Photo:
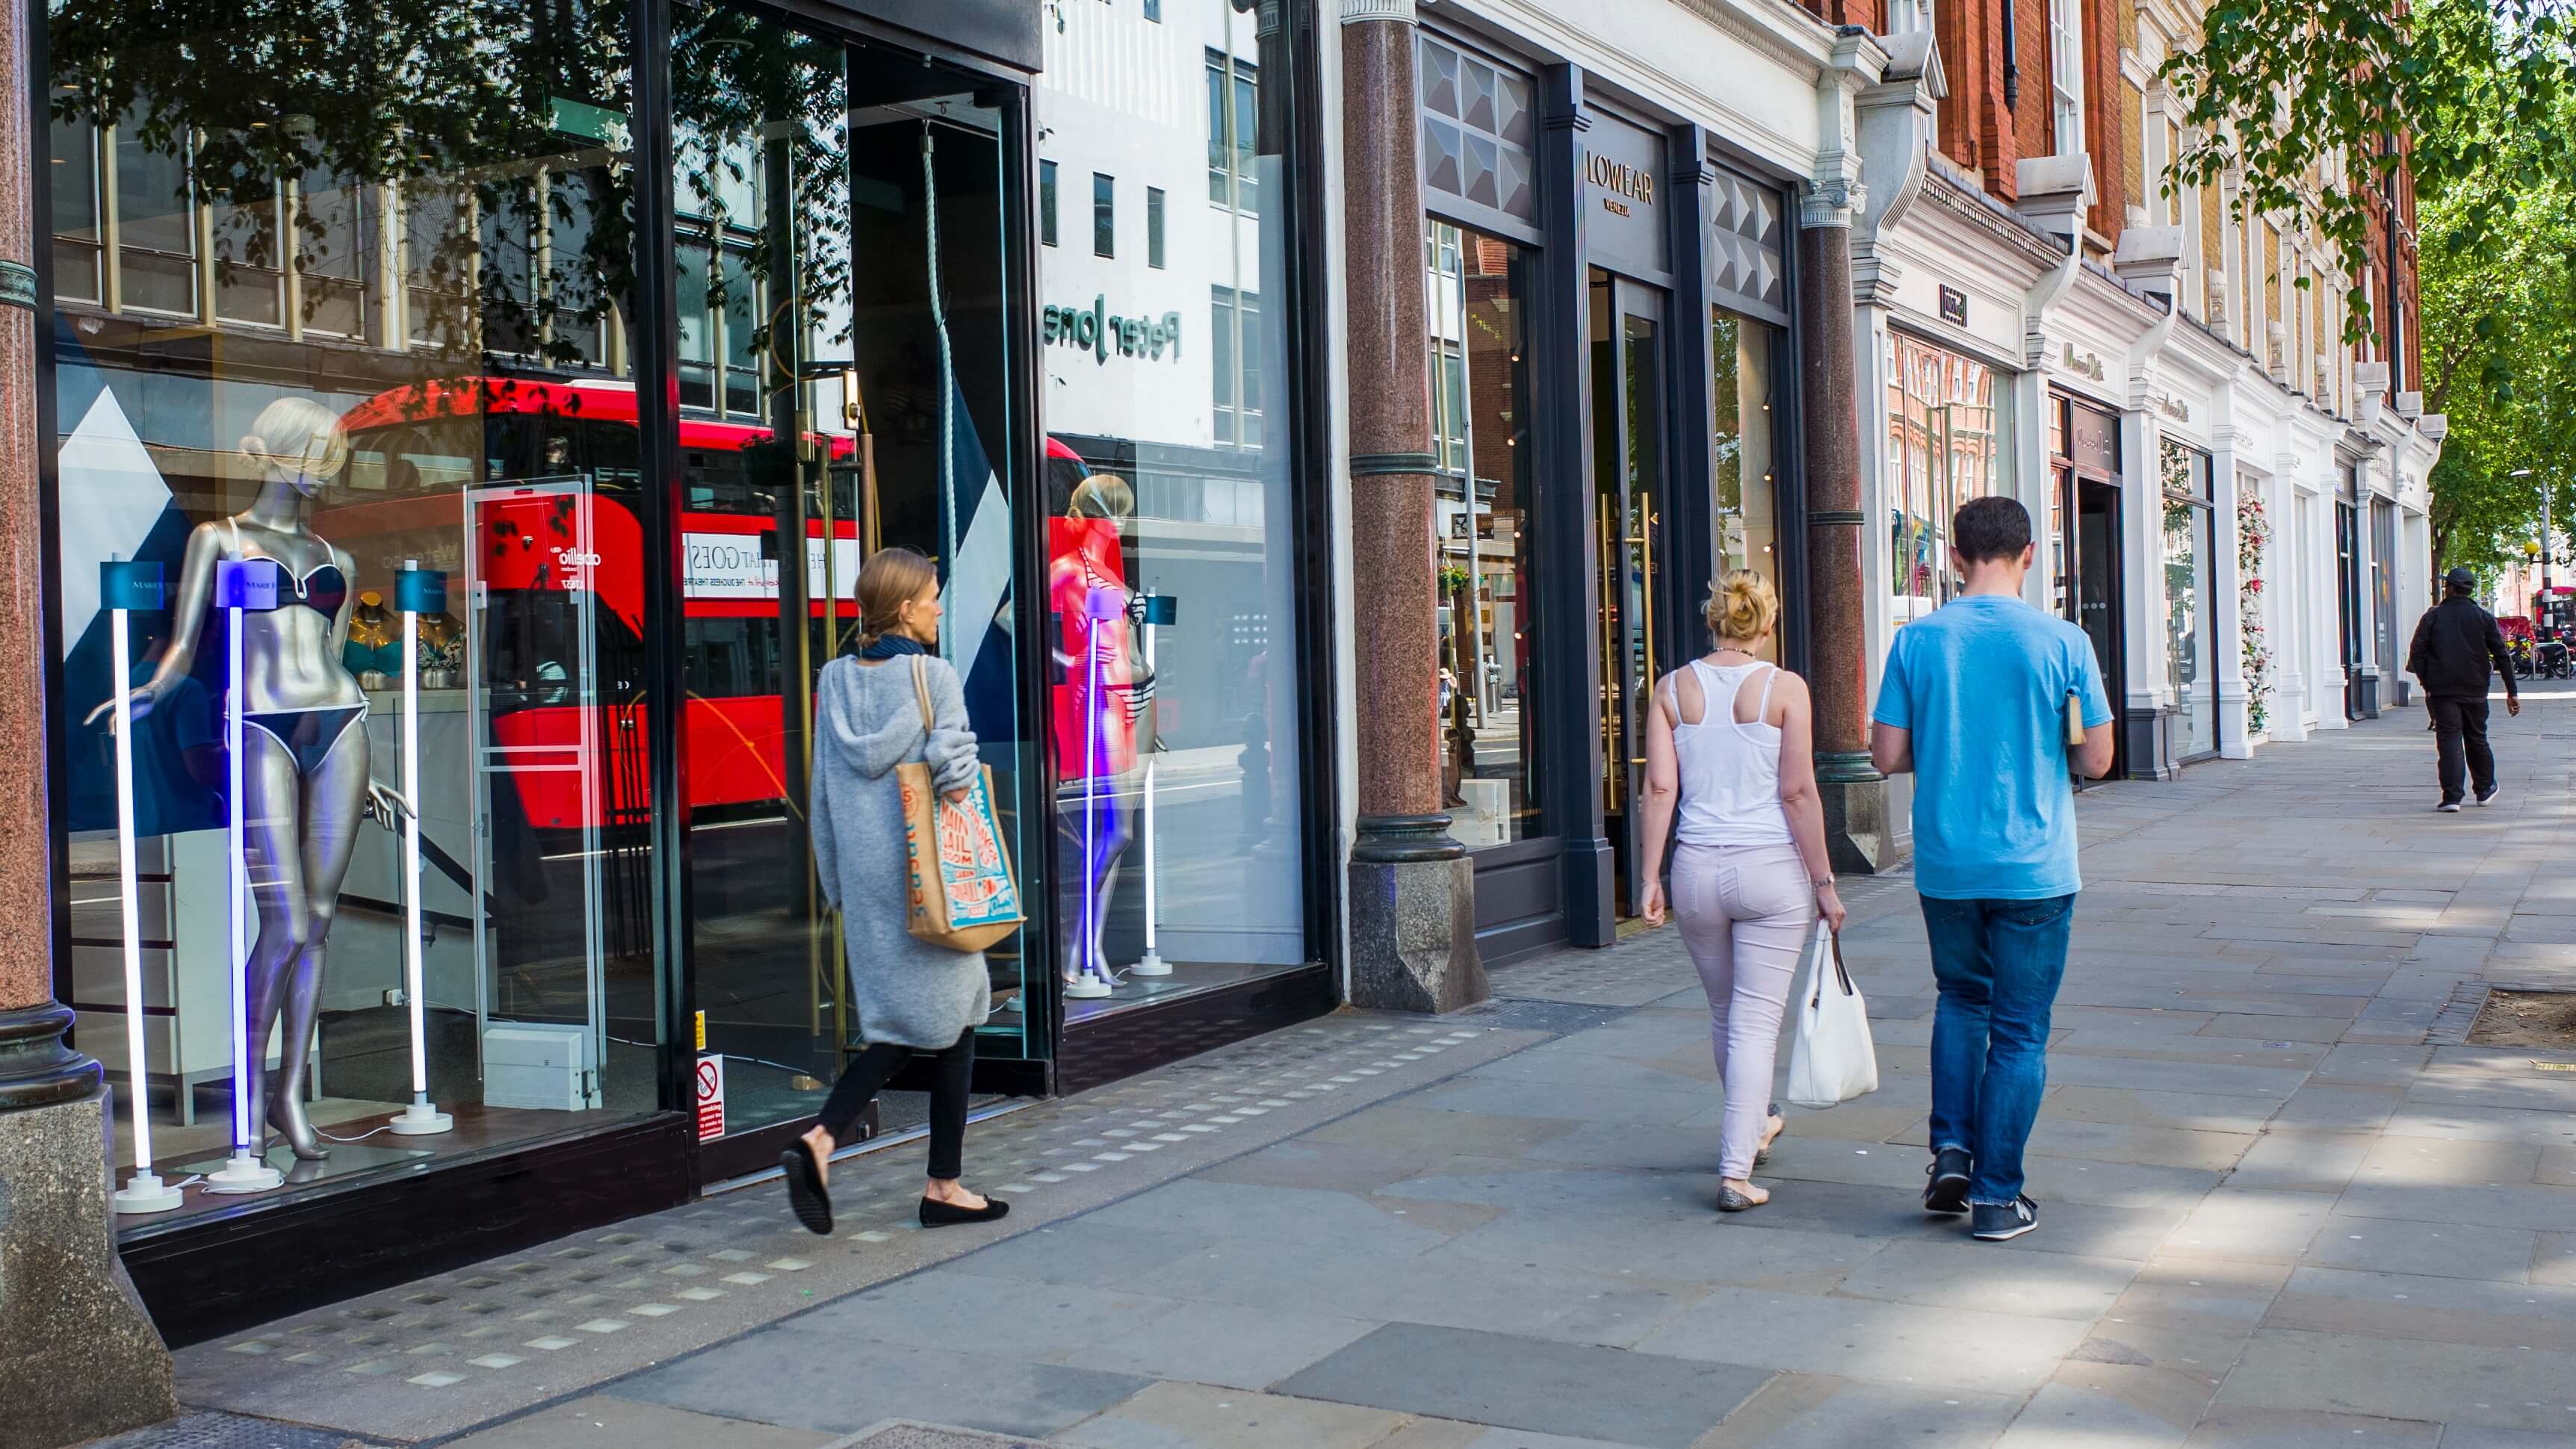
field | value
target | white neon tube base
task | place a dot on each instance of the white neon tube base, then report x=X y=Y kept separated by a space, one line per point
x=245 y=1173
x=421 y=1119
x=1086 y=987
x=145 y=1192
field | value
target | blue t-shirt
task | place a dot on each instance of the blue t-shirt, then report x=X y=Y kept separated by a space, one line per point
x=1981 y=684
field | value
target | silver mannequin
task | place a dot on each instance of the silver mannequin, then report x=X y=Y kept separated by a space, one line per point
x=299 y=817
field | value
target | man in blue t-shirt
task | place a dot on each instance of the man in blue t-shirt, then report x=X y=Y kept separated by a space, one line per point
x=1975 y=702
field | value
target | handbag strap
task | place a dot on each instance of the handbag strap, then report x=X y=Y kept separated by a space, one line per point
x=1842 y=973
x=921 y=692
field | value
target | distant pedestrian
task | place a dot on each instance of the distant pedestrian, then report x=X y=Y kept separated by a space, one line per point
x=2456 y=644
x=1976 y=703
x=1733 y=737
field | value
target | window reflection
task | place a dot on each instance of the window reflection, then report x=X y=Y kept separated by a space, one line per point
x=1942 y=451
x=1744 y=358
x=1478 y=287
x=2189 y=618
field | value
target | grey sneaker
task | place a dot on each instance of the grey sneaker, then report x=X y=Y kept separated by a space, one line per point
x=2002 y=1222
x=1947 y=1191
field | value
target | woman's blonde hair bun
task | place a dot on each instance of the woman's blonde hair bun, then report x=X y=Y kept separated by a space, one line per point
x=1741 y=605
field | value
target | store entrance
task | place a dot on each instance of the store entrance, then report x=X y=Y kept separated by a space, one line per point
x=2095 y=548
x=1633 y=621
x=2348 y=606
x=845 y=383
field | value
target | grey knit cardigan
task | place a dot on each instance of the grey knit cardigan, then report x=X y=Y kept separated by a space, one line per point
x=867 y=721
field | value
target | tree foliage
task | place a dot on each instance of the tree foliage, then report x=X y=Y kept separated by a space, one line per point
x=2312 y=104
x=2499 y=337
x=504 y=125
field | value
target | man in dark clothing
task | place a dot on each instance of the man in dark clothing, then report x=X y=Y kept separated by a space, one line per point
x=2455 y=646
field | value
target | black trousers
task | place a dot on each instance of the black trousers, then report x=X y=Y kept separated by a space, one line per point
x=951 y=1070
x=2460 y=722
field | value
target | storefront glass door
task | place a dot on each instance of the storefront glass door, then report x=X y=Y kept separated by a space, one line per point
x=1628 y=486
x=840 y=249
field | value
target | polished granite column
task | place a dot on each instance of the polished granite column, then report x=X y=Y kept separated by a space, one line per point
x=1857 y=834
x=78 y=1356
x=1413 y=889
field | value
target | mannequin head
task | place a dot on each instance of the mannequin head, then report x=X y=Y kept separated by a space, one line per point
x=1103 y=495
x=299 y=442
x=898 y=593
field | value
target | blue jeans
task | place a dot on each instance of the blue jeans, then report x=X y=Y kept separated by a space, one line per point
x=1998 y=964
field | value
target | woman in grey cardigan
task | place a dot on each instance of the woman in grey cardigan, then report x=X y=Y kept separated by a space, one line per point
x=911 y=996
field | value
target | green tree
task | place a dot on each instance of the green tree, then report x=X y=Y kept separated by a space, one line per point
x=2498 y=301
x=2313 y=104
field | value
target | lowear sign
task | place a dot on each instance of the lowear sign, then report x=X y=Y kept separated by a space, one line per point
x=1622 y=182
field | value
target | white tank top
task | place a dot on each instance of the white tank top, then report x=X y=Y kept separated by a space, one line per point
x=1730 y=771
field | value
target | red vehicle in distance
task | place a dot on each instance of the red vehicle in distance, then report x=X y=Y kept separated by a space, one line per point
x=416 y=455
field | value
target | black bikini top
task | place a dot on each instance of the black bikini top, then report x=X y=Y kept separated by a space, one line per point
x=323 y=590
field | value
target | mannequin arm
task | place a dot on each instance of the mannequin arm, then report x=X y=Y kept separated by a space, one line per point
x=187 y=622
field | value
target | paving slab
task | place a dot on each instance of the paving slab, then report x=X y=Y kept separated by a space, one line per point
x=1186 y=1416
x=1518 y=1383
x=1890 y=1343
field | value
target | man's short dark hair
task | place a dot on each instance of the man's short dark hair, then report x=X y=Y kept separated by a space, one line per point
x=1989 y=528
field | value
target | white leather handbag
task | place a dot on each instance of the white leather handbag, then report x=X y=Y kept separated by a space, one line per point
x=1832 y=1060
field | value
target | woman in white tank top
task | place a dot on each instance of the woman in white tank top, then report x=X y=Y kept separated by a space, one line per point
x=1733 y=737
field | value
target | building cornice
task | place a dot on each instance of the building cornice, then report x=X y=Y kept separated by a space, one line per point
x=1972 y=208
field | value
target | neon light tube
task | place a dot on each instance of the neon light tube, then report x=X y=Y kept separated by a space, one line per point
x=416 y=591
x=125 y=585
x=248 y=1171
x=1153 y=963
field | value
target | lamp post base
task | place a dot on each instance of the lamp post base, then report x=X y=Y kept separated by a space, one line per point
x=83 y=1359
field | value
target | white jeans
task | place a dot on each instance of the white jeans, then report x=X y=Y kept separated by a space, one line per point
x=1745 y=911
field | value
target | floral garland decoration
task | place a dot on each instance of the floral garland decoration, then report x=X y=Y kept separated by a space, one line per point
x=2253 y=539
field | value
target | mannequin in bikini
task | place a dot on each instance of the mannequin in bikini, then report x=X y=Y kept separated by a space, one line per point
x=305 y=777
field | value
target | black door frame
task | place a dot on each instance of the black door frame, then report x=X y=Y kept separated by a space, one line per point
x=2107 y=493
x=2077 y=483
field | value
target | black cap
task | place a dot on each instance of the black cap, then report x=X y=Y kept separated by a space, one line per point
x=2461 y=578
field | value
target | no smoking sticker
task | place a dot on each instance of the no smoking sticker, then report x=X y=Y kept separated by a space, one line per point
x=710 y=1098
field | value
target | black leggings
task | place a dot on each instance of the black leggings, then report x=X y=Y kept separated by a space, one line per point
x=951 y=1070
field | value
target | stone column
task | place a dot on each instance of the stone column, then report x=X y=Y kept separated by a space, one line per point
x=78 y=1356
x=1413 y=890
x=1857 y=830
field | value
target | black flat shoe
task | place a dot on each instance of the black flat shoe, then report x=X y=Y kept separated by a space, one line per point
x=937 y=1214
x=1731 y=1201
x=1762 y=1156
x=812 y=1205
